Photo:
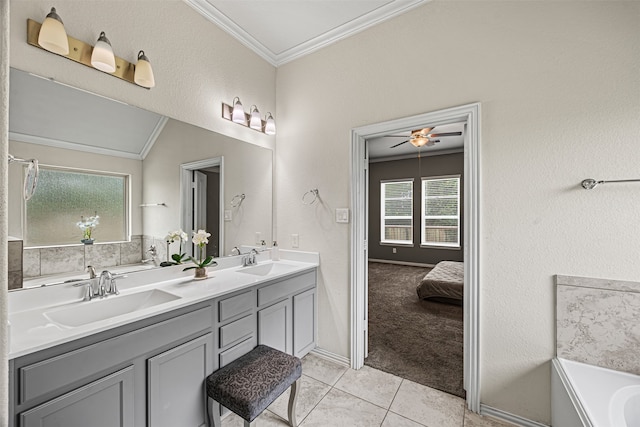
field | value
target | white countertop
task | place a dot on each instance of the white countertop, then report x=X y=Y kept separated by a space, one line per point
x=31 y=330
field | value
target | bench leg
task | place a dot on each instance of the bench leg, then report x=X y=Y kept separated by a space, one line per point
x=293 y=396
x=213 y=411
x=251 y=424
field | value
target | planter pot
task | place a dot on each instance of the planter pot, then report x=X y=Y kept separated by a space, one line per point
x=87 y=241
x=201 y=273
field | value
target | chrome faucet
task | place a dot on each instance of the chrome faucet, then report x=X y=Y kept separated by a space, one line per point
x=234 y=250
x=92 y=271
x=250 y=258
x=106 y=286
x=153 y=251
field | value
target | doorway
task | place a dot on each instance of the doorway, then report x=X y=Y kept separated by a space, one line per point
x=470 y=116
x=201 y=195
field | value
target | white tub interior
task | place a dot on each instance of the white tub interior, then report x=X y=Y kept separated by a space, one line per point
x=584 y=395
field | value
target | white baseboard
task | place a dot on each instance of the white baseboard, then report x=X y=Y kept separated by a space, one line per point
x=412 y=264
x=506 y=416
x=336 y=358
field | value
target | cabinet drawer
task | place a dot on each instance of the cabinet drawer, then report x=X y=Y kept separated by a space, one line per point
x=237 y=351
x=277 y=291
x=72 y=368
x=237 y=330
x=235 y=306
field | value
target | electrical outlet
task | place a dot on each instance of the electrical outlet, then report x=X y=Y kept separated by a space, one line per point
x=295 y=240
x=394 y=250
x=258 y=237
x=227 y=215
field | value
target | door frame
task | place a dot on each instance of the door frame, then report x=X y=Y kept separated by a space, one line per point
x=469 y=113
x=186 y=210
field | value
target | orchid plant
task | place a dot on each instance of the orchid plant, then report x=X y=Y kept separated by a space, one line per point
x=200 y=239
x=177 y=236
x=87 y=225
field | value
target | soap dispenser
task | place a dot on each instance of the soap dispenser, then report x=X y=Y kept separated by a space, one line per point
x=275 y=255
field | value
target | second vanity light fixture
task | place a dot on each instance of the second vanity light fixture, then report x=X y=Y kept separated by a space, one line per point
x=51 y=36
x=236 y=114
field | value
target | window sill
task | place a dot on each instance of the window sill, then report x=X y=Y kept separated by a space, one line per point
x=404 y=245
x=451 y=248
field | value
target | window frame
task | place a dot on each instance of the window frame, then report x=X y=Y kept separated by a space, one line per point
x=423 y=216
x=127 y=205
x=383 y=216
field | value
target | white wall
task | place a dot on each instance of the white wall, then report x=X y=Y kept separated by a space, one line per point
x=247 y=170
x=196 y=65
x=51 y=156
x=560 y=91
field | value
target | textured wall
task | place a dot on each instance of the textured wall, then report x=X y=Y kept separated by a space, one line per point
x=560 y=93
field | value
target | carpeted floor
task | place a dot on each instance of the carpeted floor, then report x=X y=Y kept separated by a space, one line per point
x=421 y=341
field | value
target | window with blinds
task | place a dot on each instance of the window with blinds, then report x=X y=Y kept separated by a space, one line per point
x=441 y=211
x=396 y=212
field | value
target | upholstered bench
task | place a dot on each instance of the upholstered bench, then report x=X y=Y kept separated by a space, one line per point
x=249 y=384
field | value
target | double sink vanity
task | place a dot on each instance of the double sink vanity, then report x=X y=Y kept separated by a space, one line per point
x=140 y=358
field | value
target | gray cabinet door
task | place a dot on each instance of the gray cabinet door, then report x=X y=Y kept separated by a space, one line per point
x=107 y=402
x=176 y=378
x=304 y=322
x=274 y=326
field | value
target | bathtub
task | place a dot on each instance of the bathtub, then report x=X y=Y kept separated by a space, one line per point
x=589 y=396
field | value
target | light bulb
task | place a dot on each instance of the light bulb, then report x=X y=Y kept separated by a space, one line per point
x=102 y=57
x=237 y=115
x=143 y=75
x=255 y=122
x=270 y=126
x=52 y=36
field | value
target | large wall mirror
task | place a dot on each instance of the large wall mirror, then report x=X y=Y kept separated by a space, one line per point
x=99 y=156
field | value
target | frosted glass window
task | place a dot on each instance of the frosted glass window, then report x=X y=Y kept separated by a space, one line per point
x=64 y=196
x=396 y=219
x=441 y=212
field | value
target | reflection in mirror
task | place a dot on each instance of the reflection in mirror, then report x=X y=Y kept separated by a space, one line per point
x=76 y=131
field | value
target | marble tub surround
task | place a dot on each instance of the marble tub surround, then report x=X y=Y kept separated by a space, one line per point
x=71 y=259
x=597 y=322
x=14 y=266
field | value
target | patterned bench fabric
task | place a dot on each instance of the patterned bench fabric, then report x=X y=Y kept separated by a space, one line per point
x=248 y=385
x=446 y=280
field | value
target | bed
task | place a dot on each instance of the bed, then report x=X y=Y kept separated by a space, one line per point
x=444 y=283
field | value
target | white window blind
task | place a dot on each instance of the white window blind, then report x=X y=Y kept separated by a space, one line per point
x=396 y=212
x=441 y=211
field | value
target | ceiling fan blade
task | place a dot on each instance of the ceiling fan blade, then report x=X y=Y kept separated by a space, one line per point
x=437 y=135
x=394 y=146
x=395 y=136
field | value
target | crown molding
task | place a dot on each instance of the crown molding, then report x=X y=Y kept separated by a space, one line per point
x=50 y=142
x=153 y=137
x=341 y=32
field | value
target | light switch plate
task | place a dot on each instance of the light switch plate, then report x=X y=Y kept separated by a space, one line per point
x=227 y=215
x=342 y=215
x=295 y=240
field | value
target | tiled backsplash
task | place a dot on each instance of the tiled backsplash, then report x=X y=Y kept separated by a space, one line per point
x=597 y=322
x=15 y=263
x=70 y=259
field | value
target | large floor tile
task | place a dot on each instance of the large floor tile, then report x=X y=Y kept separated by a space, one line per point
x=371 y=385
x=266 y=419
x=471 y=419
x=322 y=369
x=395 y=420
x=428 y=406
x=340 y=409
x=310 y=393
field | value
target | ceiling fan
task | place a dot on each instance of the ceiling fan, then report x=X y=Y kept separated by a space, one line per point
x=422 y=137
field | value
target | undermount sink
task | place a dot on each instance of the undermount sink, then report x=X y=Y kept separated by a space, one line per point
x=271 y=268
x=84 y=312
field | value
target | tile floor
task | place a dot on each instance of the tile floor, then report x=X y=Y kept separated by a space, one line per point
x=334 y=395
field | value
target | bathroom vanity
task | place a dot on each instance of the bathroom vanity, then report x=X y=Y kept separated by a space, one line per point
x=146 y=367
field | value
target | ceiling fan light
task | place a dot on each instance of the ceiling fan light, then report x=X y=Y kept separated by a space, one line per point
x=270 y=126
x=102 y=57
x=53 y=36
x=237 y=115
x=255 y=122
x=143 y=75
x=419 y=141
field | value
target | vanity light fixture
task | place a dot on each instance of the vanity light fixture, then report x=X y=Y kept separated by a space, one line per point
x=51 y=36
x=270 y=125
x=236 y=114
x=102 y=56
x=143 y=75
x=255 y=122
